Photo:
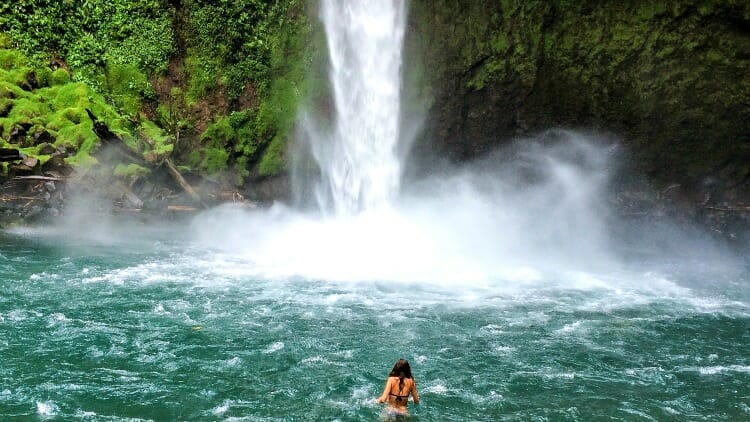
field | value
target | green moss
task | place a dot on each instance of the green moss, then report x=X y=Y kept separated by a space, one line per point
x=202 y=76
x=163 y=143
x=59 y=77
x=127 y=86
x=130 y=172
x=79 y=136
x=219 y=133
x=82 y=160
x=11 y=59
x=28 y=110
x=72 y=95
x=274 y=159
x=665 y=75
x=249 y=58
x=10 y=89
x=209 y=159
x=5 y=40
x=43 y=76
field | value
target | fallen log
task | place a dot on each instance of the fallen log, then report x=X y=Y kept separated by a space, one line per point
x=181 y=208
x=45 y=178
x=20 y=198
x=106 y=136
x=101 y=129
x=177 y=176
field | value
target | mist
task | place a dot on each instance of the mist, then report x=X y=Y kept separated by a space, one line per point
x=537 y=209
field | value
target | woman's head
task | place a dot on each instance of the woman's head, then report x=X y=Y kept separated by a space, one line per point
x=401 y=369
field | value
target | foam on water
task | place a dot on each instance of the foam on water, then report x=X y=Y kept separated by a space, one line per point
x=47 y=409
x=533 y=223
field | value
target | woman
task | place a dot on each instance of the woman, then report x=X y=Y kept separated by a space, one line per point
x=398 y=387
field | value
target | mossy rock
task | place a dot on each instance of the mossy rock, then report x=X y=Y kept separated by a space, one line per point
x=209 y=159
x=274 y=158
x=130 y=172
x=59 y=77
x=11 y=59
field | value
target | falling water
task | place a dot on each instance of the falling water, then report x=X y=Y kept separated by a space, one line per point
x=358 y=160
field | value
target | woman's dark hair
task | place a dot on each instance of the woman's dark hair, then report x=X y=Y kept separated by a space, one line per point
x=401 y=370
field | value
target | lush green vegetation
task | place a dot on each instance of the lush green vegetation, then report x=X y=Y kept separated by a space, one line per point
x=90 y=35
x=214 y=84
x=252 y=55
x=42 y=107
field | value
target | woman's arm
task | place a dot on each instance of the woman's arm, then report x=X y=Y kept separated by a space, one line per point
x=414 y=393
x=383 y=397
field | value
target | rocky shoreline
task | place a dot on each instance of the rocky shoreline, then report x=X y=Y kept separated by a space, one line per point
x=33 y=193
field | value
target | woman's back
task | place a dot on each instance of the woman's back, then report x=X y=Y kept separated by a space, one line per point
x=399 y=386
x=398 y=394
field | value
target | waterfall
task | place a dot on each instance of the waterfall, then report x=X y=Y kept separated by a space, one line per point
x=358 y=157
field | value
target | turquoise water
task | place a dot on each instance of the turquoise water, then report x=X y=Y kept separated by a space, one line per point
x=154 y=326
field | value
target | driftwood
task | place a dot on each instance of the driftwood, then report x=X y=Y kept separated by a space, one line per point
x=181 y=208
x=19 y=198
x=729 y=209
x=45 y=178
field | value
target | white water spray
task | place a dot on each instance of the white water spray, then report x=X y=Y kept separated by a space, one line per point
x=358 y=161
x=535 y=211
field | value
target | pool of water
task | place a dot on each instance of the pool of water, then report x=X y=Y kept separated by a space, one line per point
x=157 y=326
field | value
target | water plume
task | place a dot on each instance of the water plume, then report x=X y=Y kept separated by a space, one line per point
x=536 y=207
x=541 y=208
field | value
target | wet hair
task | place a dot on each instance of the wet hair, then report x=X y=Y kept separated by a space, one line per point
x=401 y=370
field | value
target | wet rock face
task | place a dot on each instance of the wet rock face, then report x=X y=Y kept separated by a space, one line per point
x=669 y=78
x=43 y=137
x=269 y=189
x=27 y=200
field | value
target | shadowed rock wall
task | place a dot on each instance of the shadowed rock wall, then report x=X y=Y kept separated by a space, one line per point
x=671 y=78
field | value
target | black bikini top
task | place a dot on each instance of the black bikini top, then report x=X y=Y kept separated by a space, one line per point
x=398 y=397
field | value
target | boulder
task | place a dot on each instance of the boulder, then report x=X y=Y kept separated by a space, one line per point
x=17 y=134
x=43 y=136
x=10 y=154
x=57 y=165
x=47 y=149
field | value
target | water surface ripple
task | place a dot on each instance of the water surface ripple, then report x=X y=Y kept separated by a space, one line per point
x=162 y=330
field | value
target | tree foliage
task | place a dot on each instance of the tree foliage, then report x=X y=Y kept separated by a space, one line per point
x=92 y=32
x=238 y=57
